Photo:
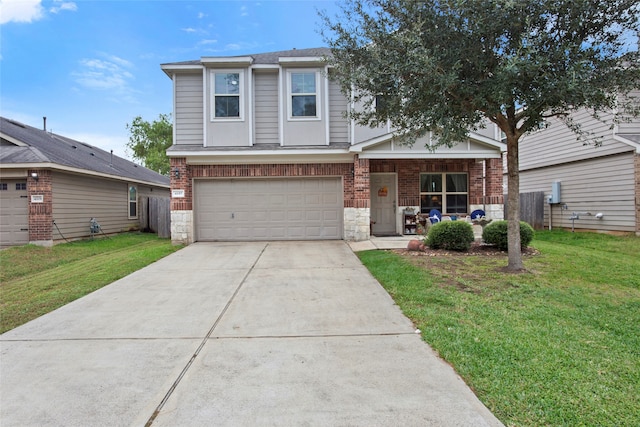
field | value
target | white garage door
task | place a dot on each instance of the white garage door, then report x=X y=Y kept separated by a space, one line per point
x=268 y=209
x=14 y=220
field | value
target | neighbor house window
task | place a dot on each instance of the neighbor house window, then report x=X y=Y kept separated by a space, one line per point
x=133 y=201
x=227 y=100
x=21 y=186
x=304 y=94
x=447 y=192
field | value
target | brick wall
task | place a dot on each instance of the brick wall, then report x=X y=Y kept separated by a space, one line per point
x=409 y=171
x=40 y=214
x=346 y=170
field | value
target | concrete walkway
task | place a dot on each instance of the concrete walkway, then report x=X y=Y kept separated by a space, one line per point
x=246 y=334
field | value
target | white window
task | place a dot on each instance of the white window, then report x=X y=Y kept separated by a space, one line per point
x=303 y=95
x=227 y=102
x=446 y=192
x=133 y=201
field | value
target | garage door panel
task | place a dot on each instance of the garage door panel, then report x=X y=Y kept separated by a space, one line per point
x=14 y=218
x=268 y=209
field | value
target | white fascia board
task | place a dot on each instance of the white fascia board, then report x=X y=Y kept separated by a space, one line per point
x=301 y=60
x=489 y=141
x=63 y=168
x=265 y=66
x=170 y=70
x=624 y=140
x=266 y=157
x=436 y=155
x=235 y=61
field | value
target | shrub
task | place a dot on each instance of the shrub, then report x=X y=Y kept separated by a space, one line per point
x=495 y=233
x=453 y=235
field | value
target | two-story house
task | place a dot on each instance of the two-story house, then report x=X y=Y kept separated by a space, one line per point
x=597 y=187
x=263 y=150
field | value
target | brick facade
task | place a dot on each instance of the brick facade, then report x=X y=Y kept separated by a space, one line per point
x=481 y=191
x=40 y=214
x=485 y=190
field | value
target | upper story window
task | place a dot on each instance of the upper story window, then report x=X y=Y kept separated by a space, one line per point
x=303 y=93
x=227 y=94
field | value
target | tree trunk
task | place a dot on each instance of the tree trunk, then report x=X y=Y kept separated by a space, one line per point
x=513 y=205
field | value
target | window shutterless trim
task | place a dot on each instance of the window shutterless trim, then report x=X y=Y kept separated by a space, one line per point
x=317 y=94
x=240 y=95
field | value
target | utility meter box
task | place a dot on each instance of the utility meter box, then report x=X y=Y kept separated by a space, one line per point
x=554 y=197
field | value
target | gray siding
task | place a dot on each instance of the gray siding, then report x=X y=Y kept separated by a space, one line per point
x=338 y=124
x=304 y=131
x=602 y=185
x=266 y=107
x=557 y=144
x=77 y=199
x=631 y=125
x=188 y=106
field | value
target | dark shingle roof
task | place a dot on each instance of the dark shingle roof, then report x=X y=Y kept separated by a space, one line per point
x=271 y=57
x=45 y=147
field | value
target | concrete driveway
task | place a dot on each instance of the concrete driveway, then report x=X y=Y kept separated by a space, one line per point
x=233 y=334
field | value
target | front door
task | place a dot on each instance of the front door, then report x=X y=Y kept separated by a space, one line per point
x=383 y=204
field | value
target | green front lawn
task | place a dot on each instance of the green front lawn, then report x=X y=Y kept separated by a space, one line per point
x=559 y=345
x=36 y=280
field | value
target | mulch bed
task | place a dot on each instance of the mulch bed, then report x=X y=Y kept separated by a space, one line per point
x=477 y=249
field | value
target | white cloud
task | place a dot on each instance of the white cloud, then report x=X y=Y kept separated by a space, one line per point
x=203 y=42
x=201 y=15
x=244 y=11
x=109 y=73
x=20 y=11
x=60 y=5
x=189 y=30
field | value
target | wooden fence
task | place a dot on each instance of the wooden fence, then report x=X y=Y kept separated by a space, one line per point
x=155 y=215
x=531 y=209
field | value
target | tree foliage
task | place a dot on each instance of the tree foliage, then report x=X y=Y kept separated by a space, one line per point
x=450 y=66
x=149 y=142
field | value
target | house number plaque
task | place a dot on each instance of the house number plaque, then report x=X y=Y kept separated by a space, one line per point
x=177 y=193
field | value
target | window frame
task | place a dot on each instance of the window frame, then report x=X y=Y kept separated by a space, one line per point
x=240 y=95
x=444 y=192
x=134 y=202
x=291 y=94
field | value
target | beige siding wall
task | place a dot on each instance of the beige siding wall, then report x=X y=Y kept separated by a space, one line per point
x=188 y=105
x=604 y=185
x=557 y=143
x=266 y=107
x=338 y=104
x=77 y=199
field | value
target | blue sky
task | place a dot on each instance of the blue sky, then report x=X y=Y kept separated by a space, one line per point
x=91 y=66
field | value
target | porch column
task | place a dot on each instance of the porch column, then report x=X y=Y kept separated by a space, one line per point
x=357 y=217
x=39 y=192
x=181 y=202
x=637 y=185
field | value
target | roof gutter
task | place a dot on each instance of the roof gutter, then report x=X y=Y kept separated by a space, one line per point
x=62 y=168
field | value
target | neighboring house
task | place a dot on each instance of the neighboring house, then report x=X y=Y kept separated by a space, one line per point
x=51 y=187
x=263 y=151
x=591 y=180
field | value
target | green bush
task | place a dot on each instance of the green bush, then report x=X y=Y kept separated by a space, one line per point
x=452 y=235
x=495 y=233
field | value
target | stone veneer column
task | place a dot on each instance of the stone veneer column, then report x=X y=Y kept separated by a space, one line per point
x=357 y=218
x=40 y=213
x=181 y=207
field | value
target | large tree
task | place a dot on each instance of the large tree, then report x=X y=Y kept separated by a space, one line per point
x=149 y=142
x=450 y=66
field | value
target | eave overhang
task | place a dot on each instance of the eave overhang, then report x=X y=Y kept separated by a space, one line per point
x=13 y=169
